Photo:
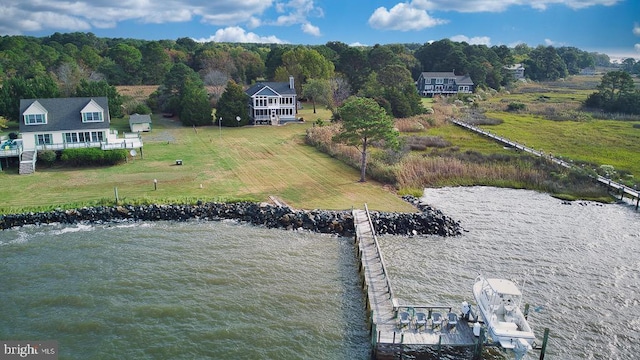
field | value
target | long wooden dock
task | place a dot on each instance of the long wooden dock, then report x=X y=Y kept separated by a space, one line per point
x=389 y=335
x=620 y=188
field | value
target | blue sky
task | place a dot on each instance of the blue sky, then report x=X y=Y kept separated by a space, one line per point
x=606 y=26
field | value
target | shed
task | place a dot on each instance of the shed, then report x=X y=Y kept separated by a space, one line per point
x=139 y=123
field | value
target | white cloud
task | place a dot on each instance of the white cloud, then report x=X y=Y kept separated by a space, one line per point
x=310 y=29
x=549 y=42
x=19 y=16
x=403 y=17
x=637 y=47
x=636 y=29
x=472 y=6
x=357 y=44
x=238 y=34
x=476 y=40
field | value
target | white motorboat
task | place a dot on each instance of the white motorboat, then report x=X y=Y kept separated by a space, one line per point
x=499 y=304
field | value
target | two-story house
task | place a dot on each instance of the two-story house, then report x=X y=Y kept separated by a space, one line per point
x=272 y=102
x=62 y=123
x=516 y=70
x=443 y=83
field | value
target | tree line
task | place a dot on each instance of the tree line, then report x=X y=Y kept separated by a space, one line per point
x=191 y=74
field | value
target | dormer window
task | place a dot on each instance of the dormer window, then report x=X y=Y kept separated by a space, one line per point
x=35 y=119
x=92 y=117
x=92 y=112
x=35 y=114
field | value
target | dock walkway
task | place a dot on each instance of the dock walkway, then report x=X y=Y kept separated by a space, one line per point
x=388 y=334
x=620 y=188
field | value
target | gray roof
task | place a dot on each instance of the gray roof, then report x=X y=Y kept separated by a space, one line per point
x=270 y=88
x=460 y=79
x=139 y=119
x=64 y=114
x=439 y=74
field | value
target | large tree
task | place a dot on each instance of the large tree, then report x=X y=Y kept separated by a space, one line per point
x=363 y=122
x=17 y=88
x=102 y=88
x=232 y=104
x=616 y=93
x=195 y=109
x=317 y=90
x=303 y=63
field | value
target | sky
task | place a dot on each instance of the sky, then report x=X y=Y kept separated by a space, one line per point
x=606 y=26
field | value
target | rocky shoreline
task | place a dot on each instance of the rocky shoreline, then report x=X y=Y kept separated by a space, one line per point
x=427 y=221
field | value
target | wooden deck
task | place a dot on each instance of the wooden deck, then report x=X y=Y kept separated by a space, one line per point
x=387 y=334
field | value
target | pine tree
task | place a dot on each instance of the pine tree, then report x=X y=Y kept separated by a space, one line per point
x=233 y=104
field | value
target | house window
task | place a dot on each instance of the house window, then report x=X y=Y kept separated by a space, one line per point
x=34 y=119
x=92 y=116
x=97 y=136
x=439 y=80
x=44 y=139
x=71 y=138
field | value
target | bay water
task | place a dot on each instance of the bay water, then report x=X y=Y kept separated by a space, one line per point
x=223 y=290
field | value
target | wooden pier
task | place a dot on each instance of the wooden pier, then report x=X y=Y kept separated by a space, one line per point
x=621 y=189
x=390 y=335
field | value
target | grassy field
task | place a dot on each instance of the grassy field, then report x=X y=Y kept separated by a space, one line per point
x=555 y=123
x=251 y=163
x=256 y=163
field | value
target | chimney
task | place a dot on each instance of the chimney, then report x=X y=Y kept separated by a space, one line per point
x=291 y=82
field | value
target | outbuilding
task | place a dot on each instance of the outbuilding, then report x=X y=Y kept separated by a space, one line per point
x=140 y=123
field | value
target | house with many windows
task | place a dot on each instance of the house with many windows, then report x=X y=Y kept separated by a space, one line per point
x=272 y=103
x=516 y=70
x=62 y=123
x=430 y=84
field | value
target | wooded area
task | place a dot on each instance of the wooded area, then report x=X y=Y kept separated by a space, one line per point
x=79 y=64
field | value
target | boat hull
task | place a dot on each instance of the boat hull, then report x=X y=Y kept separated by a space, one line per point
x=501 y=314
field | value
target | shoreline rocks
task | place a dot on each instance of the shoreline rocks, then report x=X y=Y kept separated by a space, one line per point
x=426 y=222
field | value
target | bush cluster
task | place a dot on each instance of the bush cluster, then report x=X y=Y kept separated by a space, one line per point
x=93 y=157
x=47 y=157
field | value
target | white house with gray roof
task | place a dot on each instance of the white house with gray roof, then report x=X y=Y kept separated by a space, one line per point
x=430 y=84
x=62 y=123
x=272 y=103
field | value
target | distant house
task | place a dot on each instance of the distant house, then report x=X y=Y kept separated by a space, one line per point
x=139 y=123
x=591 y=71
x=517 y=70
x=62 y=123
x=272 y=103
x=443 y=83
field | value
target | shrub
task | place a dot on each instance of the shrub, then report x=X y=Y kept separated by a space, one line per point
x=516 y=106
x=46 y=157
x=141 y=108
x=93 y=157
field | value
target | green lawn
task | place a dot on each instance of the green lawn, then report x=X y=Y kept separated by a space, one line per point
x=251 y=163
x=609 y=142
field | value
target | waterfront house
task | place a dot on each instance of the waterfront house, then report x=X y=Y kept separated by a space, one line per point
x=516 y=70
x=62 y=123
x=443 y=83
x=272 y=103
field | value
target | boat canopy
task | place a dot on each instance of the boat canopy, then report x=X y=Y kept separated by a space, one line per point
x=503 y=286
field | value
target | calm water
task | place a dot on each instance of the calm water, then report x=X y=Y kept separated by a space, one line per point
x=226 y=291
